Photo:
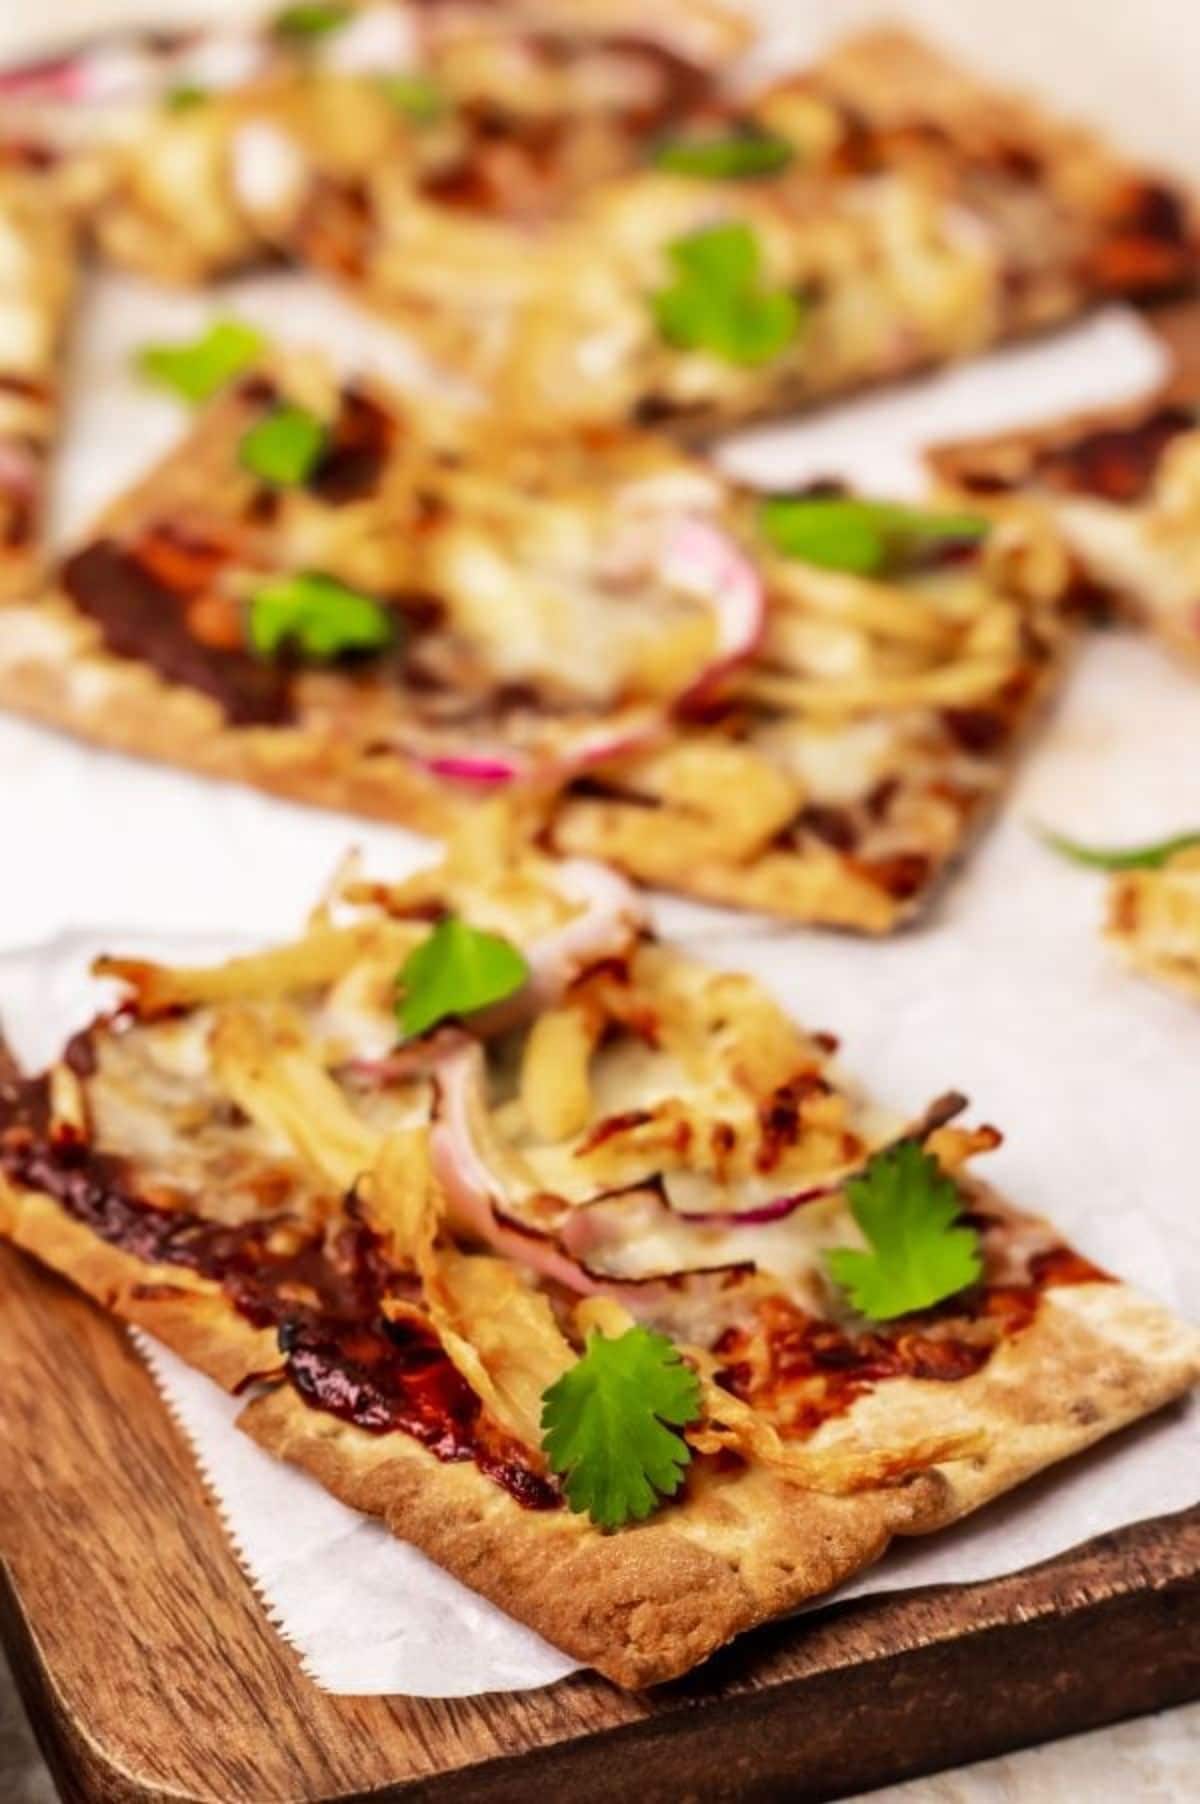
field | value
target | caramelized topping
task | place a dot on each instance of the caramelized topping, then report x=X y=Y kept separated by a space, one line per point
x=322 y=1294
x=142 y=615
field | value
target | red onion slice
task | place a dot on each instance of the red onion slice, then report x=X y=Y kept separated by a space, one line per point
x=466 y=1168
x=60 y=78
x=701 y=558
x=778 y=1209
x=599 y=744
x=473 y=767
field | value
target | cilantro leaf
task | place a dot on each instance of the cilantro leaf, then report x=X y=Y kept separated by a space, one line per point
x=318 y=617
x=1122 y=858
x=283 y=447
x=457 y=970
x=866 y=538
x=907 y=1207
x=608 y=1426
x=419 y=96
x=738 y=155
x=310 y=19
x=197 y=370
x=184 y=97
x=717 y=301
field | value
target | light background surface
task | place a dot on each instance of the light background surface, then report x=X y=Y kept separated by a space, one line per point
x=95 y=831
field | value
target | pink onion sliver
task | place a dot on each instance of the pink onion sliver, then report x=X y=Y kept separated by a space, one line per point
x=778 y=1209
x=61 y=79
x=612 y=914
x=606 y=744
x=475 y=1192
x=462 y=767
x=701 y=558
x=476 y=1195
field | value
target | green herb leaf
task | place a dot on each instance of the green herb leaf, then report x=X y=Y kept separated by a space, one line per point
x=318 y=618
x=310 y=19
x=609 y=1426
x=284 y=447
x=867 y=538
x=717 y=302
x=456 y=971
x=739 y=155
x=1122 y=858
x=197 y=370
x=908 y=1209
x=418 y=96
x=182 y=99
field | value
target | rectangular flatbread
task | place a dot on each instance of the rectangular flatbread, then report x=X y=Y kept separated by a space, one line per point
x=880 y=212
x=402 y=1247
x=685 y=687
x=37 y=282
x=203 y=151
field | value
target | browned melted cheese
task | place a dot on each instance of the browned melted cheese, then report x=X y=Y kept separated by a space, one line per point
x=801 y=1370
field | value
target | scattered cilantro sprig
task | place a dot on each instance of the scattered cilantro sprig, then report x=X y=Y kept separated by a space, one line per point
x=196 y=370
x=284 y=447
x=866 y=538
x=610 y=1426
x=456 y=971
x=418 y=96
x=309 y=19
x=1150 y=857
x=919 y=1252
x=718 y=302
x=318 y=618
x=184 y=97
x=743 y=154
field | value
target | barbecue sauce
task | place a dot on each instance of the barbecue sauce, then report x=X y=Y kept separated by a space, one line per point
x=322 y=1295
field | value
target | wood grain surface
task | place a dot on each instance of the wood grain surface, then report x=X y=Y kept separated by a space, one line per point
x=151 y=1672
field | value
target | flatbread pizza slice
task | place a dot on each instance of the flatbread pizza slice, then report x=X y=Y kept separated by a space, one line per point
x=207 y=151
x=329 y=592
x=803 y=704
x=1123 y=489
x=877 y=213
x=37 y=281
x=570 y=1259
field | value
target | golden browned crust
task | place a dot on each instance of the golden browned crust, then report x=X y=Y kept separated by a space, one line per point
x=642 y=1605
x=53 y=670
x=647 y=1603
x=184 y=1310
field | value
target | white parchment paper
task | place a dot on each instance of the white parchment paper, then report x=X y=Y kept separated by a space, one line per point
x=1008 y=992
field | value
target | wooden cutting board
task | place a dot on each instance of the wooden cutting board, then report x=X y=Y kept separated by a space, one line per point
x=151 y=1672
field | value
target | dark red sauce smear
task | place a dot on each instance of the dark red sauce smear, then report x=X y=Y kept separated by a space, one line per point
x=322 y=1295
x=1116 y=463
x=801 y=1370
x=142 y=616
